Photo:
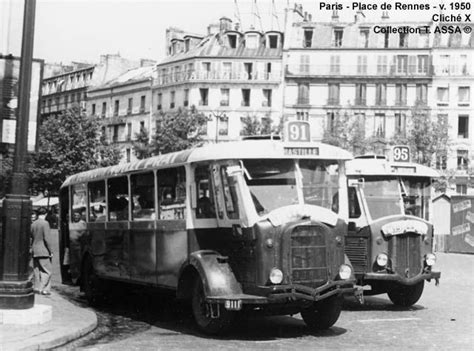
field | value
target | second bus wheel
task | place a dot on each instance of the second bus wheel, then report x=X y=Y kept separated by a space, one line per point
x=323 y=314
x=406 y=295
x=92 y=285
x=203 y=312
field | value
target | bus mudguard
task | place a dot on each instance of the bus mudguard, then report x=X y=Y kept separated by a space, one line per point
x=214 y=270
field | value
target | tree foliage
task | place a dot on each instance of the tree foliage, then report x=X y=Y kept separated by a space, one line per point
x=141 y=145
x=253 y=125
x=178 y=130
x=6 y=165
x=68 y=143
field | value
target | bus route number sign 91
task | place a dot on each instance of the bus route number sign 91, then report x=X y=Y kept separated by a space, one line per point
x=297 y=131
x=401 y=153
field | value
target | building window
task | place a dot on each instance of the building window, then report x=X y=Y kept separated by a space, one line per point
x=303 y=94
x=267 y=97
x=463 y=127
x=130 y=106
x=382 y=65
x=463 y=160
x=400 y=94
x=186 y=98
x=225 y=97
x=251 y=42
x=304 y=64
x=172 y=99
x=302 y=115
x=444 y=64
x=464 y=95
x=364 y=38
x=160 y=100
x=334 y=67
x=104 y=109
x=227 y=70
x=360 y=97
x=400 y=124
x=245 y=97
x=338 y=37
x=232 y=40
x=73 y=98
x=461 y=189
x=361 y=64
x=442 y=162
x=116 y=108
x=204 y=93
x=142 y=103
x=115 y=133
x=379 y=125
x=443 y=96
x=206 y=67
x=333 y=94
x=248 y=69
x=223 y=125
x=386 y=39
x=403 y=40
x=93 y=109
x=308 y=37
x=128 y=153
x=380 y=94
x=422 y=67
x=463 y=64
x=402 y=64
x=331 y=121
x=421 y=94
x=273 y=41
x=129 y=131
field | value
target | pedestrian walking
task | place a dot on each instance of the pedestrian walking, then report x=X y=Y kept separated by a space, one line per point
x=42 y=253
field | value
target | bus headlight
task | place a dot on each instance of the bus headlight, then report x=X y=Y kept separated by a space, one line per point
x=430 y=259
x=382 y=259
x=276 y=276
x=345 y=271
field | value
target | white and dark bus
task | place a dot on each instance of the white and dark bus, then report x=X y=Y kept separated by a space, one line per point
x=238 y=226
x=390 y=239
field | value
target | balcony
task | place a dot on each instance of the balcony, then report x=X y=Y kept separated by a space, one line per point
x=354 y=70
x=360 y=102
x=333 y=101
x=381 y=102
x=302 y=101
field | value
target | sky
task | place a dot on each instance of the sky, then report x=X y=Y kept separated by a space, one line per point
x=82 y=30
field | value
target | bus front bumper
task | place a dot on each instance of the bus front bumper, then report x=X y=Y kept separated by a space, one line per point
x=397 y=278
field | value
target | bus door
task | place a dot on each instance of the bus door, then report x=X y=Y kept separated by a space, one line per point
x=171 y=236
x=64 y=257
x=357 y=214
x=142 y=227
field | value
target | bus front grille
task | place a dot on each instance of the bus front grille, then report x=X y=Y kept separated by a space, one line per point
x=309 y=256
x=404 y=251
x=357 y=251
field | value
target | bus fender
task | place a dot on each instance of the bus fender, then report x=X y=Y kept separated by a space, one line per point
x=214 y=270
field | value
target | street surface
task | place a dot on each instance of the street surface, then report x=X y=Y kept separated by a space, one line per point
x=443 y=319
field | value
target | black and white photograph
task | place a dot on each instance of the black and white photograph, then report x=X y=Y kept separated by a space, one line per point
x=236 y=175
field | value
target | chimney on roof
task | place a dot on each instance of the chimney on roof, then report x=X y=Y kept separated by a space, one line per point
x=213 y=28
x=225 y=24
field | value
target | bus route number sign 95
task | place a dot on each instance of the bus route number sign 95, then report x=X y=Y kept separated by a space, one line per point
x=297 y=131
x=401 y=153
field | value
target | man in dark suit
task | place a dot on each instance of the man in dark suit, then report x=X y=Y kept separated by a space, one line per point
x=42 y=253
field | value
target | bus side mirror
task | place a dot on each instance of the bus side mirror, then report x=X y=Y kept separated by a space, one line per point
x=356 y=183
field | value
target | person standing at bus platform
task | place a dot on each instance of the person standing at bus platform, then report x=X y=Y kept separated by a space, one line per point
x=42 y=253
x=77 y=230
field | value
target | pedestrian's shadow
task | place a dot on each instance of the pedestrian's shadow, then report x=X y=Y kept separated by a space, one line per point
x=155 y=308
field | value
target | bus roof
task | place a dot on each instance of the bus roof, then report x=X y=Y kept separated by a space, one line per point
x=381 y=167
x=248 y=149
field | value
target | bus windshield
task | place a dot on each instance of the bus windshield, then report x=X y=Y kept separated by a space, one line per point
x=273 y=183
x=383 y=197
x=417 y=196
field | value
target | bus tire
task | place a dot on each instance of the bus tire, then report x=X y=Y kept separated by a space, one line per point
x=323 y=314
x=406 y=295
x=91 y=283
x=202 y=313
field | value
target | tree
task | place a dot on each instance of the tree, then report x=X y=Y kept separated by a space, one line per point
x=253 y=125
x=6 y=165
x=141 y=145
x=68 y=143
x=178 y=130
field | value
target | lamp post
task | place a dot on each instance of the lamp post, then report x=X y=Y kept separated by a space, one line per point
x=16 y=289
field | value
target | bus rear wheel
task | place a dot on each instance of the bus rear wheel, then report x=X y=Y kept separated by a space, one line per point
x=92 y=285
x=323 y=314
x=202 y=312
x=406 y=295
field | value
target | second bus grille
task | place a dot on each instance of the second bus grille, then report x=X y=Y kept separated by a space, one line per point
x=404 y=250
x=308 y=255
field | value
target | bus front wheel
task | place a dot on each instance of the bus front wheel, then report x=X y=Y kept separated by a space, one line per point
x=210 y=320
x=323 y=314
x=406 y=295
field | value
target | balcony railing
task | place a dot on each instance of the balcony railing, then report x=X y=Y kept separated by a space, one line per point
x=355 y=70
x=360 y=101
x=217 y=75
x=333 y=101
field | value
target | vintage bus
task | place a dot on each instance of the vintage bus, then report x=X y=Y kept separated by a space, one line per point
x=249 y=225
x=390 y=240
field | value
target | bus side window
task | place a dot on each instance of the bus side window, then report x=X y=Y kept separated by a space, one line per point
x=143 y=196
x=117 y=204
x=79 y=198
x=97 y=201
x=354 y=207
x=230 y=195
x=172 y=193
x=204 y=193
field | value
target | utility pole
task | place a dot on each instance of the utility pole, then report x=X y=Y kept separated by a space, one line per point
x=16 y=289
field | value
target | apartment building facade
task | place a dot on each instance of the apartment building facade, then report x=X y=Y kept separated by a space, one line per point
x=227 y=74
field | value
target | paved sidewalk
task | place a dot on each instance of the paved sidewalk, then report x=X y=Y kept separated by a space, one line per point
x=68 y=323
